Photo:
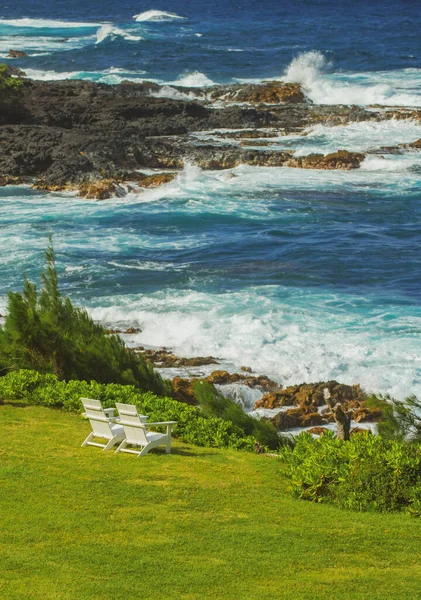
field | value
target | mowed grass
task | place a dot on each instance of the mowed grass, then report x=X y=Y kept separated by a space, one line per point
x=78 y=523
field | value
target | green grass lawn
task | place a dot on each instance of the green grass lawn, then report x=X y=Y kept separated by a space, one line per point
x=79 y=523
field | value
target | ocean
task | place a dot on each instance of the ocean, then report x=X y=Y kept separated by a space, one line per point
x=303 y=275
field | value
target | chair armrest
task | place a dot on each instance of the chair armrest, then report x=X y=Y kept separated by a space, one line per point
x=161 y=423
x=109 y=412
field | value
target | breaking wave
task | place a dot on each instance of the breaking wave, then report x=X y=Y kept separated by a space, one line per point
x=194 y=79
x=109 y=31
x=157 y=15
x=309 y=69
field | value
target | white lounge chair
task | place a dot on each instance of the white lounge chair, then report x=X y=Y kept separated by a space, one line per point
x=137 y=434
x=103 y=424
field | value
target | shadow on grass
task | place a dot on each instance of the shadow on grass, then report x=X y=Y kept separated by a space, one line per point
x=16 y=403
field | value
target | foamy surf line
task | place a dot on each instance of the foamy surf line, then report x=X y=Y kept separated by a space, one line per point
x=47 y=23
x=293 y=341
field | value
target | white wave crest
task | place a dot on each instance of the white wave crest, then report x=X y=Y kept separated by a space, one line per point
x=309 y=70
x=169 y=92
x=109 y=31
x=194 y=79
x=157 y=15
x=46 y=23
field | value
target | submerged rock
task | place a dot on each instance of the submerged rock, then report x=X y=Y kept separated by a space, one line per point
x=16 y=54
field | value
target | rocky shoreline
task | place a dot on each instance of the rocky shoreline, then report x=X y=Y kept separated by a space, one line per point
x=307 y=406
x=96 y=139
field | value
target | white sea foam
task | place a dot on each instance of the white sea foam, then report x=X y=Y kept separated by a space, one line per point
x=157 y=15
x=356 y=136
x=169 y=92
x=46 y=23
x=194 y=79
x=41 y=45
x=310 y=70
x=290 y=340
x=113 y=75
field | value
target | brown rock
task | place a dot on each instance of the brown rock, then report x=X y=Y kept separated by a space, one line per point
x=312 y=394
x=101 y=190
x=416 y=144
x=16 y=54
x=182 y=390
x=274 y=400
x=337 y=160
x=270 y=92
x=357 y=430
x=367 y=414
x=317 y=430
x=152 y=181
x=246 y=369
x=8 y=180
x=223 y=377
x=313 y=418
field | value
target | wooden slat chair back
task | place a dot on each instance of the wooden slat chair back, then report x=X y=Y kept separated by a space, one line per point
x=102 y=423
x=137 y=434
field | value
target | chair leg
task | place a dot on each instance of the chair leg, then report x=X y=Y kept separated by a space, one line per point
x=88 y=439
x=110 y=444
x=168 y=448
x=121 y=446
x=145 y=450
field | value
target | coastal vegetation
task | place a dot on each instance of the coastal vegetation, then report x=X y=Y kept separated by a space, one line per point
x=45 y=332
x=8 y=85
x=368 y=472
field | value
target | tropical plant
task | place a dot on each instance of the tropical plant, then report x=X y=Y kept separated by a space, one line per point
x=45 y=332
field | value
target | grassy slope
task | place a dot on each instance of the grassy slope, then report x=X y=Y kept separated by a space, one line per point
x=79 y=523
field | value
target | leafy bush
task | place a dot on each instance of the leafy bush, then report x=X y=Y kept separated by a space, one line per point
x=215 y=404
x=47 y=333
x=8 y=85
x=365 y=473
x=193 y=426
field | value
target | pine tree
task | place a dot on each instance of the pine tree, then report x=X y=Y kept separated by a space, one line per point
x=45 y=332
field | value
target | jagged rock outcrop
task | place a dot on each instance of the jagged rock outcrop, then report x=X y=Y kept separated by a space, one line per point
x=312 y=395
x=270 y=92
x=70 y=134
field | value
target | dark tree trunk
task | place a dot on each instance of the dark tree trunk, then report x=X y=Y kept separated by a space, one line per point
x=343 y=422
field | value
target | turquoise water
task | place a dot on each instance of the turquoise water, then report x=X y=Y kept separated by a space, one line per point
x=302 y=275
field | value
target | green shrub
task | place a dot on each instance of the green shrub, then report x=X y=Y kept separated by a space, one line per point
x=45 y=332
x=215 y=404
x=365 y=473
x=193 y=426
x=8 y=85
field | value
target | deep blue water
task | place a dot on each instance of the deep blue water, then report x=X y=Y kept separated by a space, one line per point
x=304 y=275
